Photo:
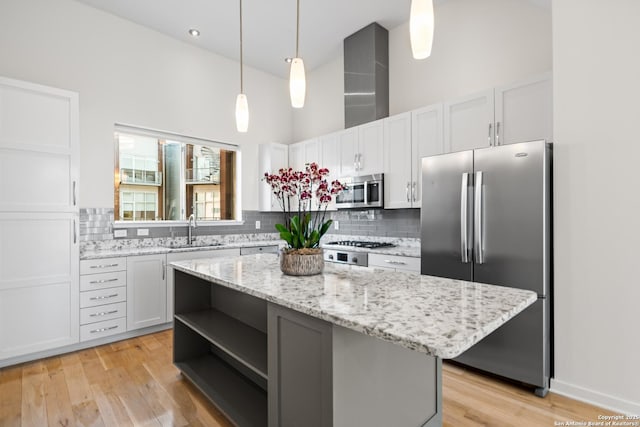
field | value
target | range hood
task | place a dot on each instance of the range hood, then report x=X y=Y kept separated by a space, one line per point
x=366 y=75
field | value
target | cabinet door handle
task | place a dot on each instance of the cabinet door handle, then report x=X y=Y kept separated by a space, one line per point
x=413 y=191
x=74 y=193
x=497 y=133
x=103 y=329
x=103 y=281
x=389 y=261
x=164 y=268
x=489 y=135
x=75 y=235
x=103 y=313
x=355 y=161
x=359 y=161
x=104 y=266
x=103 y=297
x=407 y=192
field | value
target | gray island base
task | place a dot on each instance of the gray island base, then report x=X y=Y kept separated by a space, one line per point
x=345 y=348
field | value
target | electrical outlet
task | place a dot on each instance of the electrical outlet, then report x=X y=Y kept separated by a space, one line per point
x=336 y=225
x=119 y=233
x=257 y=225
x=143 y=231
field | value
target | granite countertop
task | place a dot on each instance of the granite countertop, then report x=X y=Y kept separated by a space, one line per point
x=124 y=250
x=440 y=317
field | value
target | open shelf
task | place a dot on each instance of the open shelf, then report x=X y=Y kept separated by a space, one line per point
x=237 y=397
x=242 y=342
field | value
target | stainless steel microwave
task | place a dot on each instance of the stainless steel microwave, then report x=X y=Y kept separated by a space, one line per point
x=365 y=191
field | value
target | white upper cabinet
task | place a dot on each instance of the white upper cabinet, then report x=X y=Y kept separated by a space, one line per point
x=524 y=111
x=518 y=112
x=427 y=139
x=370 y=147
x=398 y=161
x=468 y=122
x=330 y=159
x=271 y=158
x=409 y=137
x=39 y=148
x=348 y=144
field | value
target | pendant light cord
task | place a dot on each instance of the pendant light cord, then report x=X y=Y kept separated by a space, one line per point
x=241 y=61
x=297 y=26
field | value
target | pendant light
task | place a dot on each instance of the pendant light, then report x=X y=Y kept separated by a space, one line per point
x=242 y=106
x=421 y=28
x=297 y=80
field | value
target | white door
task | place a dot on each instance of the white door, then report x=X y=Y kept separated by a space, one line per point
x=39 y=282
x=146 y=291
x=524 y=111
x=371 y=142
x=348 y=144
x=426 y=136
x=469 y=122
x=271 y=158
x=330 y=159
x=38 y=148
x=397 y=161
x=296 y=156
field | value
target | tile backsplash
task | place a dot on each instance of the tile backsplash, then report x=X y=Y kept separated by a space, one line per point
x=97 y=224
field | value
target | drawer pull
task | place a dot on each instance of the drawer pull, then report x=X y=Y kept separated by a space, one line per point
x=103 y=329
x=394 y=262
x=103 y=281
x=104 y=266
x=103 y=297
x=103 y=313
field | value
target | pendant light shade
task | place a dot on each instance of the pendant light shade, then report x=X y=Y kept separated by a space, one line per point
x=242 y=106
x=242 y=113
x=421 y=28
x=297 y=83
x=297 y=79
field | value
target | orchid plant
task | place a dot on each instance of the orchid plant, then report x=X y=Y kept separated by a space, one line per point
x=304 y=229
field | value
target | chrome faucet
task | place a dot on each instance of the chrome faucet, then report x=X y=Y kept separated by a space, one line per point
x=190 y=227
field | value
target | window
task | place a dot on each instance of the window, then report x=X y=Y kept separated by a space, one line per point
x=160 y=176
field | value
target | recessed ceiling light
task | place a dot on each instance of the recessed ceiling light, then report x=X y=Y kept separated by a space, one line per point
x=288 y=60
x=194 y=33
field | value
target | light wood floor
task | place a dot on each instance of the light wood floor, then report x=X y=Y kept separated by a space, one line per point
x=133 y=382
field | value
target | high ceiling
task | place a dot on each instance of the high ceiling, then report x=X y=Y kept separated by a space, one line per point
x=269 y=25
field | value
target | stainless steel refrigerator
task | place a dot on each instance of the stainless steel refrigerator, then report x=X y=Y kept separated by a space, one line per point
x=486 y=217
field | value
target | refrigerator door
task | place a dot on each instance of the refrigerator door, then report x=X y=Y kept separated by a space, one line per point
x=512 y=224
x=446 y=215
x=518 y=349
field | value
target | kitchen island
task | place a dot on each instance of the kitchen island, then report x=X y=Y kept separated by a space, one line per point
x=348 y=347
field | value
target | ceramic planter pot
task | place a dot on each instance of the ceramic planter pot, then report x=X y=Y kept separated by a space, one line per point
x=302 y=262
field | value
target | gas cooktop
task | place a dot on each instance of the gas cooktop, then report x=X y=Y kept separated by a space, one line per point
x=362 y=244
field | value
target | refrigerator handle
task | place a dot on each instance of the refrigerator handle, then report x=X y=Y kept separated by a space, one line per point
x=464 y=209
x=478 y=213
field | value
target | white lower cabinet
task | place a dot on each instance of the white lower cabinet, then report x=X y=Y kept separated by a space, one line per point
x=103 y=296
x=181 y=256
x=394 y=262
x=146 y=291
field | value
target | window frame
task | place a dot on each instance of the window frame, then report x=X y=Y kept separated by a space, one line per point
x=184 y=139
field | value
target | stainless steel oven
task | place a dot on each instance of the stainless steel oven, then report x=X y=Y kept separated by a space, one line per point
x=365 y=191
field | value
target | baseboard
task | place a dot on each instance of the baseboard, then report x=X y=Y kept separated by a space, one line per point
x=596 y=398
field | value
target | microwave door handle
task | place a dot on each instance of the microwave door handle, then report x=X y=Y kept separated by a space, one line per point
x=366 y=192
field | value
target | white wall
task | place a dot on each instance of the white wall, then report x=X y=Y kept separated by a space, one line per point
x=596 y=70
x=128 y=74
x=477 y=45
